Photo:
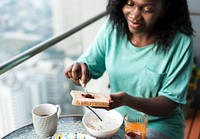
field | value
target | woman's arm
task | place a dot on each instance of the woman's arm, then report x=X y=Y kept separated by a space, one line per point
x=157 y=106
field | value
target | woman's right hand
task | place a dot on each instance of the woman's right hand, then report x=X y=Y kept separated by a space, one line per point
x=79 y=73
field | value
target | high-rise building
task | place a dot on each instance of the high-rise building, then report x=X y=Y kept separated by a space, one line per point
x=67 y=14
x=14 y=104
x=54 y=78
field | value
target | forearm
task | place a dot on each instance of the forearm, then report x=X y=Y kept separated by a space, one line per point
x=158 y=106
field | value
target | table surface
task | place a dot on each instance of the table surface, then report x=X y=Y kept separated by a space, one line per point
x=66 y=124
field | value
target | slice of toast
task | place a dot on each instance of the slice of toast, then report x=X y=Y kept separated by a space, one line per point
x=95 y=99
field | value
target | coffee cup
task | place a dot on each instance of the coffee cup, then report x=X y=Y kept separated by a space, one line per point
x=45 y=118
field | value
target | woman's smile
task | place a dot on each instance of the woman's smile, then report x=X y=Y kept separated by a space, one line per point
x=134 y=24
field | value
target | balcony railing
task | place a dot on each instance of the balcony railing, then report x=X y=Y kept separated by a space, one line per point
x=11 y=63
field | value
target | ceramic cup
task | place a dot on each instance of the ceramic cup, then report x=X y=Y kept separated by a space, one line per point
x=45 y=118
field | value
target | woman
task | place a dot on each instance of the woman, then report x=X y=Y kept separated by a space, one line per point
x=146 y=48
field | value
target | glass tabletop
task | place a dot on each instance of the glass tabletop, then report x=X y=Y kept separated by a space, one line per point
x=66 y=125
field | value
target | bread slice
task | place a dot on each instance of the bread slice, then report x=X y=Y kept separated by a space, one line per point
x=97 y=100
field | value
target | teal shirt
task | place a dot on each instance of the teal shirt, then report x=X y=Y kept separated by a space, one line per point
x=144 y=73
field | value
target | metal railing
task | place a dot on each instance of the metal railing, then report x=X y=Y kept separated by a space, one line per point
x=18 y=59
x=194 y=14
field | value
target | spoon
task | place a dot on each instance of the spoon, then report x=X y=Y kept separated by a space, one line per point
x=85 y=89
x=94 y=113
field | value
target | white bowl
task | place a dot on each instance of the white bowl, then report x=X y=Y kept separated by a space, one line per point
x=112 y=121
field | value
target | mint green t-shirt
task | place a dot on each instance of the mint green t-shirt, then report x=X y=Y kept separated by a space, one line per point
x=143 y=72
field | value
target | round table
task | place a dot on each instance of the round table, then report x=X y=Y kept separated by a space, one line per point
x=66 y=124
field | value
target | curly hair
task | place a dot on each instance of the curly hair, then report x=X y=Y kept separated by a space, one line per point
x=176 y=19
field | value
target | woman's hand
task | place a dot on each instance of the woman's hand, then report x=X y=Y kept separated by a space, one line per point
x=78 y=72
x=117 y=100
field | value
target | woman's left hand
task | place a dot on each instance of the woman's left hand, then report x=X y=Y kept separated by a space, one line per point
x=117 y=100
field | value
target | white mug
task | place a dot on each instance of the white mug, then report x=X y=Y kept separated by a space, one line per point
x=45 y=118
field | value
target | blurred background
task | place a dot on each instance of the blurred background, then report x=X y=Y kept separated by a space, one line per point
x=26 y=23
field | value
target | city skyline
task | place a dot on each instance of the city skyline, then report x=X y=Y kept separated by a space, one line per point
x=41 y=78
